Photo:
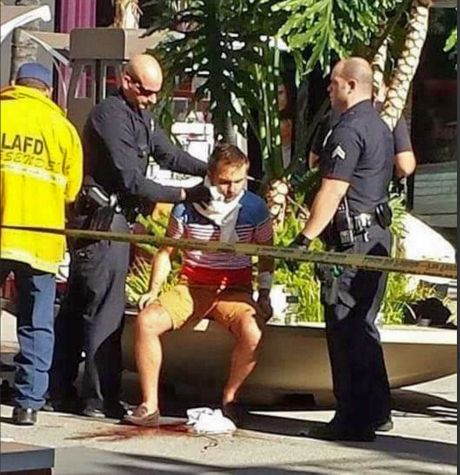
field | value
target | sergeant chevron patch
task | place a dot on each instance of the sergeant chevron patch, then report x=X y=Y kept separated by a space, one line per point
x=339 y=152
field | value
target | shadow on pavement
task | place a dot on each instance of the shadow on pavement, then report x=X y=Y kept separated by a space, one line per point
x=414 y=402
x=398 y=446
x=103 y=463
x=125 y=463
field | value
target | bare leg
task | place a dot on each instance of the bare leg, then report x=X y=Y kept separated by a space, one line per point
x=151 y=323
x=248 y=336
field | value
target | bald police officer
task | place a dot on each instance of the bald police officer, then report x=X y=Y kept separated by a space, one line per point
x=351 y=214
x=404 y=159
x=118 y=139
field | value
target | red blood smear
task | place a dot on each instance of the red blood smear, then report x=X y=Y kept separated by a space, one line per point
x=124 y=432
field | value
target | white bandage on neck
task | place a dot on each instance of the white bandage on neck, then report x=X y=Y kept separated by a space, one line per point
x=222 y=213
x=265 y=280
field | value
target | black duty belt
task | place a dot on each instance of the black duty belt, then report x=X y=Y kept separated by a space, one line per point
x=364 y=220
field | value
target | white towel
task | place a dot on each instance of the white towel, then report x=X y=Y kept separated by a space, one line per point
x=222 y=213
x=209 y=421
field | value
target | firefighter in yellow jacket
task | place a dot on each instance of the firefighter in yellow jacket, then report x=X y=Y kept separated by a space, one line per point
x=40 y=172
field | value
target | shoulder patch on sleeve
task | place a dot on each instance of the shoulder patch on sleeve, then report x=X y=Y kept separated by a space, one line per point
x=339 y=152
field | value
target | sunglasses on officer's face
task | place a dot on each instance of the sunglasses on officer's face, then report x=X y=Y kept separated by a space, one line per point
x=142 y=90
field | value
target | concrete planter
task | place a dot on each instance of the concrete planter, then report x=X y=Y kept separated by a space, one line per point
x=293 y=360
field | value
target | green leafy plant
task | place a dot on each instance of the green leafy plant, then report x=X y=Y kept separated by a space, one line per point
x=302 y=284
x=451 y=45
x=221 y=42
x=231 y=47
x=451 y=42
x=399 y=296
x=331 y=28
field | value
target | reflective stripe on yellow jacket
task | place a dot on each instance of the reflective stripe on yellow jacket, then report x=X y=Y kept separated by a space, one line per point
x=41 y=169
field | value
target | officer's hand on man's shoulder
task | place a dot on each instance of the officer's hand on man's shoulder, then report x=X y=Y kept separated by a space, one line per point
x=197 y=194
x=300 y=242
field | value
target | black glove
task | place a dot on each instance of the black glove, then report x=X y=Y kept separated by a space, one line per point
x=299 y=242
x=198 y=194
x=398 y=186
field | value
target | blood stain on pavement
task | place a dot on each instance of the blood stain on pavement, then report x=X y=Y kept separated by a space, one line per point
x=125 y=432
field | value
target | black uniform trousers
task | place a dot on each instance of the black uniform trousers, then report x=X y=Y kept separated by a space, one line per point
x=91 y=320
x=351 y=303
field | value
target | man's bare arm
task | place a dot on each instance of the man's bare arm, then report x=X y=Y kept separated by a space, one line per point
x=404 y=163
x=161 y=267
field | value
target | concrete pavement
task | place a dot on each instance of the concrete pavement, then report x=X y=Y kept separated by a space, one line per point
x=423 y=442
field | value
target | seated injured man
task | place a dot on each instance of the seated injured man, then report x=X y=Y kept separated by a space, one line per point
x=212 y=285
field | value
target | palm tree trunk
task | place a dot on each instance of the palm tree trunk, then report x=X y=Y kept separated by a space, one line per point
x=127 y=14
x=403 y=74
x=23 y=49
x=378 y=67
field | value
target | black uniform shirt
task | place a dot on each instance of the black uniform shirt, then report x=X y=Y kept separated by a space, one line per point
x=401 y=134
x=117 y=143
x=359 y=150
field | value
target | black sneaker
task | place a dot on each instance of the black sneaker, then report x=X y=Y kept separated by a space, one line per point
x=24 y=416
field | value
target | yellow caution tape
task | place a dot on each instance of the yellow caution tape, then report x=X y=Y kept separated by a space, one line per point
x=372 y=263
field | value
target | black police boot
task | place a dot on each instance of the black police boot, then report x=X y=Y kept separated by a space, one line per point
x=91 y=411
x=118 y=409
x=110 y=409
x=24 y=416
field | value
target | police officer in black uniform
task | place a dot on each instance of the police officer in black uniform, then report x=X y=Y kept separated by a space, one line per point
x=404 y=159
x=351 y=214
x=118 y=139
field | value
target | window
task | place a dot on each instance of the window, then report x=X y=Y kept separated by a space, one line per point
x=434 y=112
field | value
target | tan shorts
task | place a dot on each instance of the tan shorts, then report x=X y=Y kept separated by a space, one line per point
x=188 y=304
